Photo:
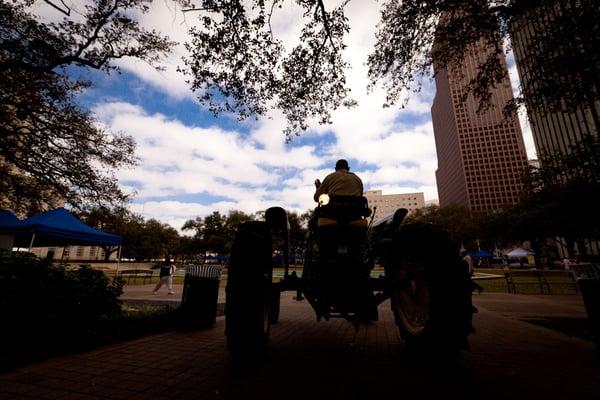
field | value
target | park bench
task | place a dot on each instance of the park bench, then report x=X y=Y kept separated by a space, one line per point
x=143 y=274
x=544 y=279
x=586 y=271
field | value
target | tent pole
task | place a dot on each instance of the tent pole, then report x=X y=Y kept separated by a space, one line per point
x=118 y=259
x=31 y=243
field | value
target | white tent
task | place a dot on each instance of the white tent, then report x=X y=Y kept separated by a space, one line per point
x=518 y=252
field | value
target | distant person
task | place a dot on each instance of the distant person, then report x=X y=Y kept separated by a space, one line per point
x=468 y=260
x=567 y=264
x=167 y=269
x=341 y=182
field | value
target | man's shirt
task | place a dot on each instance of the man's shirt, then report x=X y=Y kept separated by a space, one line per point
x=340 y=182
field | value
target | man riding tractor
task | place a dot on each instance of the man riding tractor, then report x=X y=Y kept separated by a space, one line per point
x=339 y=230
x=422 y=275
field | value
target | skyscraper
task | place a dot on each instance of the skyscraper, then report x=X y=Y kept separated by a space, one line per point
x=481 y=156
x=553 y=129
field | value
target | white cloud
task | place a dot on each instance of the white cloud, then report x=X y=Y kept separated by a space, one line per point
x=177 y=159
x=165 y=17
x=257 y=170
x=394 y=147
x=188 y=171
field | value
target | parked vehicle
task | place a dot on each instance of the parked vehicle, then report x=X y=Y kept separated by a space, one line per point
x=424 y=278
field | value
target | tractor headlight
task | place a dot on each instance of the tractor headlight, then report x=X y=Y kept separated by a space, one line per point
x=324 y=199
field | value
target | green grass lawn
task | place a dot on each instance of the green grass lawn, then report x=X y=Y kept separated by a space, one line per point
x=499 y=285
x=489 y=285
x=179 y=277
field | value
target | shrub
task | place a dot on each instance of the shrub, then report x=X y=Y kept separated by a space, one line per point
x=48 y=306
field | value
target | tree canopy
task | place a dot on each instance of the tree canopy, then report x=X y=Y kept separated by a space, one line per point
x=457 y=220
x=237 y=64
x=52 y=151
x=215 y=232
x=142 y=239
x=298 y=230
x=560 y=200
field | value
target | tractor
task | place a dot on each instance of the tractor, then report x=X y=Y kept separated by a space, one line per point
x=420 y=272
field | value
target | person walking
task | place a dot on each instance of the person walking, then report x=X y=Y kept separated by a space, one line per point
x=468 y=260
x=167 y=269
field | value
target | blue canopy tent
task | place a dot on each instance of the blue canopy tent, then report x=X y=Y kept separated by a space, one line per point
x=481 y=254
x=8 y=222
x=56 y=227
x=8 y=219
x=223 y=257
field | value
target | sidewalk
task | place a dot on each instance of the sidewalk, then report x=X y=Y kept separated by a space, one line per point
x=143 y=294
x=509 y=359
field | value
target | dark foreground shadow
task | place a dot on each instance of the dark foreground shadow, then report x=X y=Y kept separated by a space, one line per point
x=341 y=364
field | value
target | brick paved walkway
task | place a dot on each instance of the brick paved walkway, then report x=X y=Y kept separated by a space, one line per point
x=509 y=359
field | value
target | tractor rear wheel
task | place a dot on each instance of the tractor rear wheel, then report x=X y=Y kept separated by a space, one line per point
x=275 y=304
x=433 y=307
x=248 y=291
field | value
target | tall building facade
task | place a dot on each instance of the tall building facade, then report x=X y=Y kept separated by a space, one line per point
x=553 y=130
x=481 y=156
x=388 y=203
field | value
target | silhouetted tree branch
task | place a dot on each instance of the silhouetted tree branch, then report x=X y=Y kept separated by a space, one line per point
x=237 y=65
x=51 y=149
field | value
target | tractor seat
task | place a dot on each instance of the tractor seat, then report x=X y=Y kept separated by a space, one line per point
x=345 y=208
x=325 y=222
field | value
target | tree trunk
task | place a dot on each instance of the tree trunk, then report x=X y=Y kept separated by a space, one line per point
x=570 y=246
x=537 y=250
x=108 y=250
x=581 y=247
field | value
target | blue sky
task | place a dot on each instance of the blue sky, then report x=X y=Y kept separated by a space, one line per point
x=192 y=163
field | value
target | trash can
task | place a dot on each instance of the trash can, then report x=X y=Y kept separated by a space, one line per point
x=200 y=295
x=588 y=280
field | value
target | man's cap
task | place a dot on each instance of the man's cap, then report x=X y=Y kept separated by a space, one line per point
x=341 y=164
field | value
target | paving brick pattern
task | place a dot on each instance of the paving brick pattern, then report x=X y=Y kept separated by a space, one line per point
x=509 y=359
